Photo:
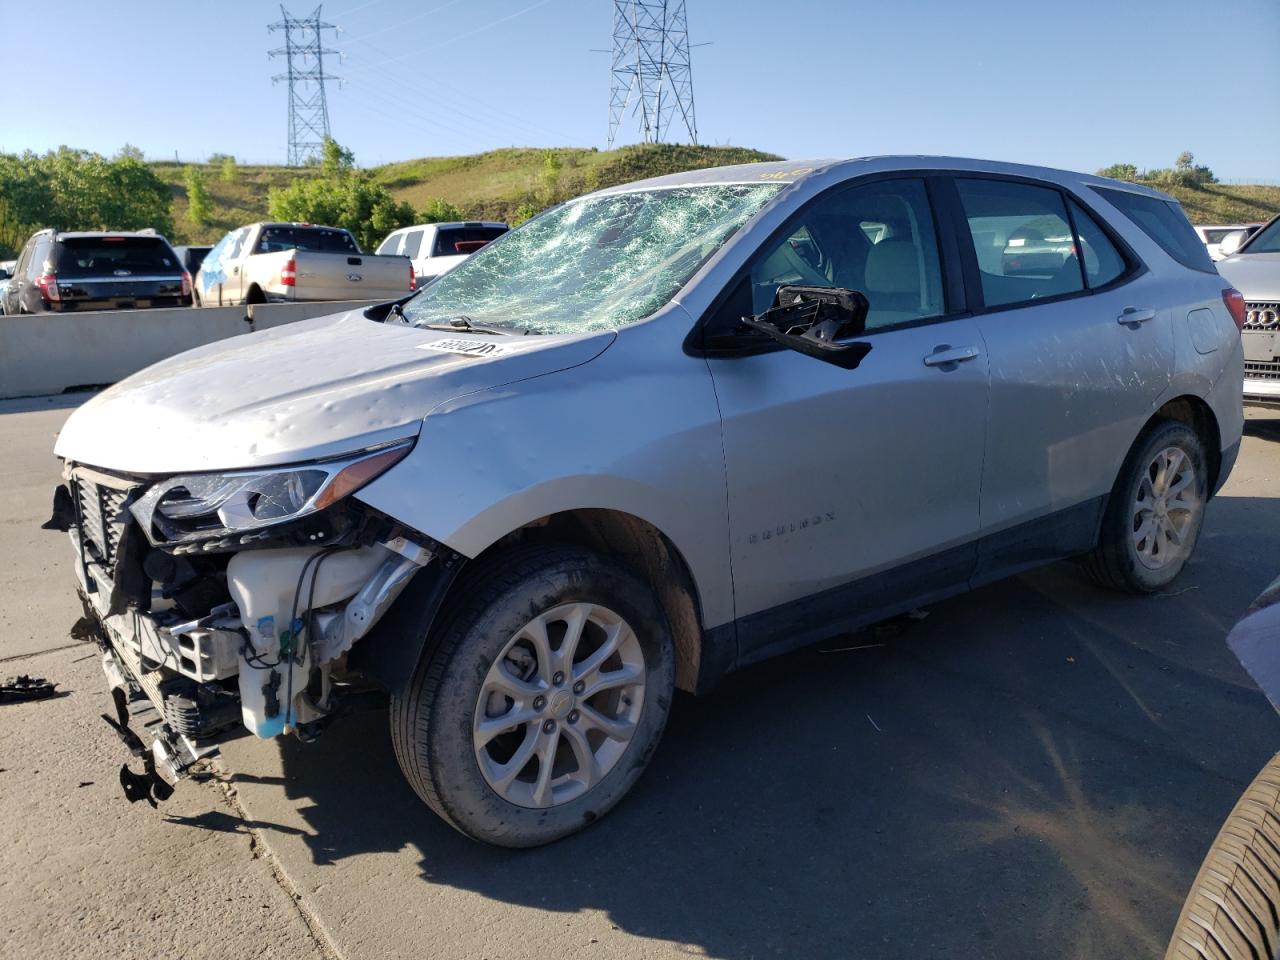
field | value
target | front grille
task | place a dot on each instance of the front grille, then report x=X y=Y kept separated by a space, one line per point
x=1261 y=316
x=1262 y=370
x=104 y=515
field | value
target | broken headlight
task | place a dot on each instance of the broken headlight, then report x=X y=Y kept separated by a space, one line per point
x=207 y=505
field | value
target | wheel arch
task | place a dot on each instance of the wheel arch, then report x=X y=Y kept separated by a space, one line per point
x=649 y=554
x=1199 y=416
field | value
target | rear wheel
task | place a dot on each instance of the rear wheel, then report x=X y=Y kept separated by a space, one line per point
x=540 y=699
x=1155 y=512
x=1233 y=908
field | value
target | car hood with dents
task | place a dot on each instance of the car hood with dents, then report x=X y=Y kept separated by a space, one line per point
x=306 y=391
x=1256 y=275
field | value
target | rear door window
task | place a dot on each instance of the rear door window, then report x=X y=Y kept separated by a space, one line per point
x=390 y=246
x=1165 y=223
x=1023 y=241
x=115 y=257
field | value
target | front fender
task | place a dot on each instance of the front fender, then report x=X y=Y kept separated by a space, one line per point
x=636 y=430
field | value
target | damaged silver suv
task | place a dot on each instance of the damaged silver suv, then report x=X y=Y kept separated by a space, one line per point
x=655 y=434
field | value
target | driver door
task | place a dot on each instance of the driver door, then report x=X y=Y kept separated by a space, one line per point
x=852 y=493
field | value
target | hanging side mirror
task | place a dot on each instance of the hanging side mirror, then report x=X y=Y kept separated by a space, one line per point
x=818 y=322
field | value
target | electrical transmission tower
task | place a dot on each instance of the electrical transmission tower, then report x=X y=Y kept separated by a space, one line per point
x=304 y=52
x=651 y=72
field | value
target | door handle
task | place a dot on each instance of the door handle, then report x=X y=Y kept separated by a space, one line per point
x=1135 y=315
x=945 y=355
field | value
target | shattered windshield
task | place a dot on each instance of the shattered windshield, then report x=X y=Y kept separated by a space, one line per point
x=591 y=264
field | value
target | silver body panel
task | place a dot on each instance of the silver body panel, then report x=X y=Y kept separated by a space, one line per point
x=898 y=460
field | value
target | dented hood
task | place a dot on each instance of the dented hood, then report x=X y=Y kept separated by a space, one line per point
x=308 y=390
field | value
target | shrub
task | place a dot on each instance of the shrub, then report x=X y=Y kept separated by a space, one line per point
x=199 y=204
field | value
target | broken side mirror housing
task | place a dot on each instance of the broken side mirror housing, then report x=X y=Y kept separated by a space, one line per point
x=818 y=322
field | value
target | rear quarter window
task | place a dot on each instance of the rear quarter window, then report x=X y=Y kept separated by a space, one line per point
x=1165 y=223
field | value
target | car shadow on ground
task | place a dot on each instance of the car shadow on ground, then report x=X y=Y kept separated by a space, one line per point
x=1035 y=769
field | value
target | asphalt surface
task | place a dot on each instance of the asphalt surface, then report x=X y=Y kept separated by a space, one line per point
x=1034 y=769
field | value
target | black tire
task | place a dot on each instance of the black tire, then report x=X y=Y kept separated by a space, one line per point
x=1233 y=908
x=432 y=716
x=1114 y=563
x=255 y=295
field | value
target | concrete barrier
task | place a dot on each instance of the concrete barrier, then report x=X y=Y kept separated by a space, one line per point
x=48 y=353
x=264 y=316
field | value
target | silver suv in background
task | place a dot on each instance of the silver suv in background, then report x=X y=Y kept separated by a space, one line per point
x=656 y=433
x=1254 y=269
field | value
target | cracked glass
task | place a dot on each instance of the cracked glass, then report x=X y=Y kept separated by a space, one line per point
x=591 y=264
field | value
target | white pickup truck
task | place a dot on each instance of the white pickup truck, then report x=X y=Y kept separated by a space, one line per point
x=436 y=248
x=267 y=262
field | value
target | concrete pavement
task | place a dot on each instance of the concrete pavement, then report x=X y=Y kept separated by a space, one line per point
x=1034 y=770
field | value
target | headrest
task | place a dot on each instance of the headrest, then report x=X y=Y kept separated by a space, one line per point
x=892 y=267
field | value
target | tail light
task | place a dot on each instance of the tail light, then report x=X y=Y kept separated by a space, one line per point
x=413 y=278
x=186 y=284
x=289 y=273
x=48 y=284
x=1234 y=300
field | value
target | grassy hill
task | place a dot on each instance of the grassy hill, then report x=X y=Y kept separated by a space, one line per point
x=497 y=184
x=488 y=186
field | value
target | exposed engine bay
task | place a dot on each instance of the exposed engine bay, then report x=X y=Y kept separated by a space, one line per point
x=230 y=601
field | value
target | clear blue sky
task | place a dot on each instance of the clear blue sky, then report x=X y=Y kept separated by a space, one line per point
x=1072 y=84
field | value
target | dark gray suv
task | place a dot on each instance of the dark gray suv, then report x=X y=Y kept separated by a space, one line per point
x=96 y=271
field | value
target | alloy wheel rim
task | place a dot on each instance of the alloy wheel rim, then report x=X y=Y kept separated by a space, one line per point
x=1165 y=509
x=560 y=705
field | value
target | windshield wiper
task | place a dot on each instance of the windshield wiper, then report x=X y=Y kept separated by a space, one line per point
x=463 y=322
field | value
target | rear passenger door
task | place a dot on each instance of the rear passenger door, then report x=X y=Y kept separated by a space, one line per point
x=1081 y=346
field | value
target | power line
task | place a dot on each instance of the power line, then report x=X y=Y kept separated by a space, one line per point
x=480 y=111
x=304 y=54
x=415 y=54
x=398 y=26
x=651 y=71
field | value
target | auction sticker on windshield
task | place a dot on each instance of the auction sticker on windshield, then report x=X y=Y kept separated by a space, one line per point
x=472 y=348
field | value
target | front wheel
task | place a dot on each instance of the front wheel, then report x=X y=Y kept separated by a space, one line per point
x=540 y=698
x=1155 y=512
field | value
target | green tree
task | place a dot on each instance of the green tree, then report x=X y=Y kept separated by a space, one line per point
x=439 y=211
x=341 y=196
x=76 y=190
x=199 y=204
x=228 y=170
x=335 y=159
x=548 y=191
x=525 y=211
x=130 y=152
x=1120 y=171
